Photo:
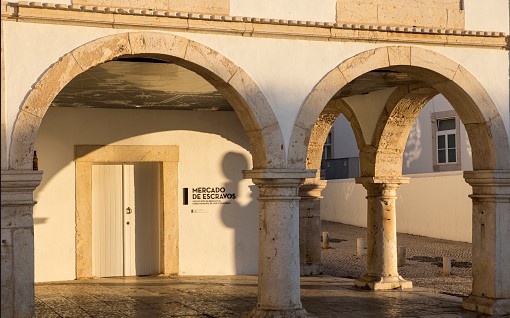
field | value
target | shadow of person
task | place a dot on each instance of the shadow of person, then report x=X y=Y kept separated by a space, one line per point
x=241 y=214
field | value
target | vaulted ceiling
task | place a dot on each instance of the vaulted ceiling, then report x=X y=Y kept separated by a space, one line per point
x=152 y=84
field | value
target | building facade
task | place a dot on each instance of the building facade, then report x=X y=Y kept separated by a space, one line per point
x=436 y=154
x=186 y=137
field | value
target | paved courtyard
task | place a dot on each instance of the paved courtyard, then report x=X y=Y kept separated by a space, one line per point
x=324 y=296
x=424 y=261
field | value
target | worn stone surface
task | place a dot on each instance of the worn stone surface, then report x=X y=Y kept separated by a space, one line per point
x=210 y=60
x=231 y=296
x=167 y=45
x=491 y=234
x=323 y=296
x=382 y=269
x=279 y=267
x=310 y=226
x=18 y=242
x=198 y=6
x=437 y=14
x=364 y=62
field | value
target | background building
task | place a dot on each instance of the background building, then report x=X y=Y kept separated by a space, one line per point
x=437 y=152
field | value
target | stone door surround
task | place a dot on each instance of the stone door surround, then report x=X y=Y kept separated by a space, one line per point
x=168 y=158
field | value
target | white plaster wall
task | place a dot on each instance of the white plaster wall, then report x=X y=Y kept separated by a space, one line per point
x=344 y=142
x=487 y=15
x=434 y=205
x=344 y=202
x=32 y=49
x=368 y=109
x=418 y=154
x=285 y=70
x=213 y=151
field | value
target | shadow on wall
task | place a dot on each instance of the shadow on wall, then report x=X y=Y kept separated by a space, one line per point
x=243 y=219
x=40 y=220
x=90 y=126
x=413 y=148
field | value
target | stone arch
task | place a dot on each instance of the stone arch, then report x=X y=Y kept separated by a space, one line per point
x=389 y=140
x=323 y=125
x=234 y=83
x=477 y=111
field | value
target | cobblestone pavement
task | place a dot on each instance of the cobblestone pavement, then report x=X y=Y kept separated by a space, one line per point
x=424 y=261
x=325 y=296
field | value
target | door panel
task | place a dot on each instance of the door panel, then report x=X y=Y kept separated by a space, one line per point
x=147 y=196
x=130 y=212
x=107 y=220
x=125 y=203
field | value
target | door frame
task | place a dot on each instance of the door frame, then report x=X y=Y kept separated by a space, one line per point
x=168 y=158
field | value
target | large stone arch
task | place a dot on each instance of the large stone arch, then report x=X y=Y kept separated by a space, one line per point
x=323 y=125
x=477 y=111
x=401 y=110
x=381 y=171
x=234 y=83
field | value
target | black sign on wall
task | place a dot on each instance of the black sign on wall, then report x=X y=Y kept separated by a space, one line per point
x=185 y=196
x=207 y=195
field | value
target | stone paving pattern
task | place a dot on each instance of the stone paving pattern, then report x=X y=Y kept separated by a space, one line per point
x=324 y=296
x=424 y=261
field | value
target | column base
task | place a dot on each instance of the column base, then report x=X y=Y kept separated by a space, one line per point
x=311 y=270
x=264 y=313
x=383 y=283
x=488 y=306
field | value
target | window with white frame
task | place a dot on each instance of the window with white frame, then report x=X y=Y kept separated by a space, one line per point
x=445 y=128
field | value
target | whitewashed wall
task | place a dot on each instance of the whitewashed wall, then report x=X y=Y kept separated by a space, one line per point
x=434 y=204
x=223 y=239
x=31 y=48
x=418 y=155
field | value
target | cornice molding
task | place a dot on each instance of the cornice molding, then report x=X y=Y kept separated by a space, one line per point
x=126 y=18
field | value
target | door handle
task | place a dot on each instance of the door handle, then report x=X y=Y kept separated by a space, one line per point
x=128 y=210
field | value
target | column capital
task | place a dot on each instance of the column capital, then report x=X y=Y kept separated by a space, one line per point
x=488 y=178
x=489 y=183
x=278 y=184
x=312 y=188
x=382 y=182
x=18 y=186
x=269 y=174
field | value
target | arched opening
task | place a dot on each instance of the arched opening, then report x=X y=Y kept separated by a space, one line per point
x=232 y=82
x=256 y=141
x=416 y=76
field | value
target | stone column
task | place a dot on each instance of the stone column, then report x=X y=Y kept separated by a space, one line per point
x=279 y=292
x=491 y=242
x=382 y=270
x=18 y=242
x=310 y=226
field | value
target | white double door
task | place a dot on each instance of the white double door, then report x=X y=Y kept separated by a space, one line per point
x=125 y=216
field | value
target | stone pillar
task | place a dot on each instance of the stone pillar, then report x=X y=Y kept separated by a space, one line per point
x=382 y=270
x=491 y=242
x=279 y=292
x=310 y=226
x=18 y=242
